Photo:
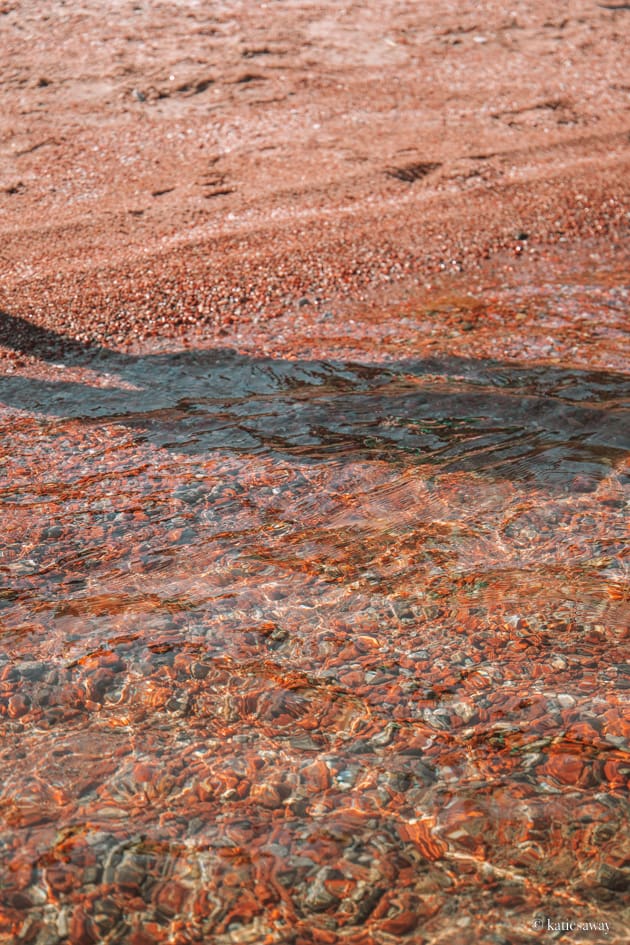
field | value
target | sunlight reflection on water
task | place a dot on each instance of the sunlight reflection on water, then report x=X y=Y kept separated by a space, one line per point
x=310 y=645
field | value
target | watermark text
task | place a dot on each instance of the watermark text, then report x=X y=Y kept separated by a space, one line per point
x=543 y=923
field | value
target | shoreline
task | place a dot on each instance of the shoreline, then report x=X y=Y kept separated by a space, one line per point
x=145 y=193
x=211 y=285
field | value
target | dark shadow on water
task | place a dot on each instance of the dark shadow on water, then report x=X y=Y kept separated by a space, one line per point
x=503 y=420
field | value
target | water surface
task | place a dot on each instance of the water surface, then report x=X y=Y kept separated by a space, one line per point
x=301 y=650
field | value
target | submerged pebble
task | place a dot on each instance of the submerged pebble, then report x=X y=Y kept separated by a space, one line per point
x=315 y=649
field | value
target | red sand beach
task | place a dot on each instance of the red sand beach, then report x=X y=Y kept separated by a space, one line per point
x=170 y=165
x=314 y=473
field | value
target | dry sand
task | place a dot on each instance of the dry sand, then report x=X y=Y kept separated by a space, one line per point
x=210 y=165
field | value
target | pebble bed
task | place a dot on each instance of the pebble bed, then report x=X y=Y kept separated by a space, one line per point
x=315 y=650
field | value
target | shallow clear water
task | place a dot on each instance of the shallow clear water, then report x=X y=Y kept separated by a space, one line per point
x=311 y=651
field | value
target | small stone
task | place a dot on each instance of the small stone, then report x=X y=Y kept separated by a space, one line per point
x=63 y=926
x=565 y=768
x=143 y=773
x=18 y=706
x=400 y=924
x=612 y=878
x=464 y=710
x=565 y=700
x=323 y=936
x=81 y=931
x=170 y=898
x=386 y=735
x=318 y=898
x=316 y=776
x=266 y=795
